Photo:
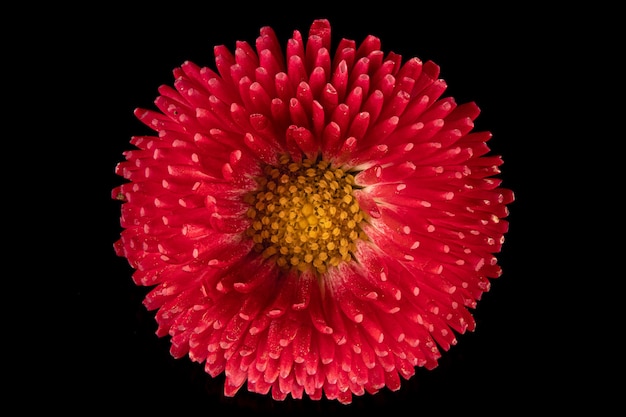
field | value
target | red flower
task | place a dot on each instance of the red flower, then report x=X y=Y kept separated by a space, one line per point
x=311 y=223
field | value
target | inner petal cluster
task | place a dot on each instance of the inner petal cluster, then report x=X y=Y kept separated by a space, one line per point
x=304 y=215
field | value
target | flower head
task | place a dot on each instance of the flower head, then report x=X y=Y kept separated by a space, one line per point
x=311 y=223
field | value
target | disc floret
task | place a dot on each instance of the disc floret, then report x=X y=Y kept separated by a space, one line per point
x=304 y=215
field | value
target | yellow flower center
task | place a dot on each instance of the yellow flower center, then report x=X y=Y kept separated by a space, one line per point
x=304 y=215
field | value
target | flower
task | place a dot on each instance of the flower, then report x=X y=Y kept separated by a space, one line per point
x=311 y=224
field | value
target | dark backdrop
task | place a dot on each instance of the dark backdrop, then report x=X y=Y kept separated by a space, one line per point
x=500 y=57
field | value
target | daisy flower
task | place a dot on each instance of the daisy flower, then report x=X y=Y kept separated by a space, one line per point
x=311 y=222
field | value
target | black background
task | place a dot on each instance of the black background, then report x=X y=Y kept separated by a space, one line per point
x=106 y=61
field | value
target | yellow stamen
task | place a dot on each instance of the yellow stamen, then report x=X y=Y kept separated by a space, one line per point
x=304 y=215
